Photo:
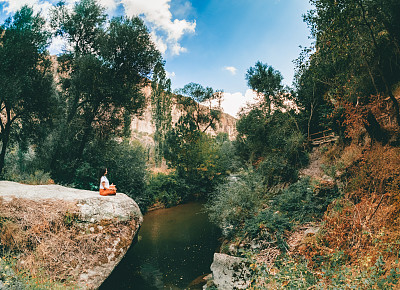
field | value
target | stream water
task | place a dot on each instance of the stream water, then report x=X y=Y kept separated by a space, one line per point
x=174 y=247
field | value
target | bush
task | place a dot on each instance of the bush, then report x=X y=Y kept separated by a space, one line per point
x=270 y=226
x=21 y=166
x=275 y=169
x=235 y=202
x=304 y=202
x=126 y=164
x=201 y=160
x=167 y=189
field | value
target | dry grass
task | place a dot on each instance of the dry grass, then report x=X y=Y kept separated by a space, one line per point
x=50 y=240
x=364 y=223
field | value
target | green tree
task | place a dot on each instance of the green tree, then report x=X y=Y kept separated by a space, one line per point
x=161 y=104
x=267 y=82
x=188 y=148
x=309 y=94
x=103 y=77
x=357 y=55
x=269 y=137
x=27 y=94
x=201 y=106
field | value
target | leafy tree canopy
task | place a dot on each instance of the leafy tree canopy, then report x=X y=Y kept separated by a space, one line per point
x=267 y=82
x=27 y=95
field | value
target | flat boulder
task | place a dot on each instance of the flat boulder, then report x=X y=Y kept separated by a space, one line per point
x=64 y=234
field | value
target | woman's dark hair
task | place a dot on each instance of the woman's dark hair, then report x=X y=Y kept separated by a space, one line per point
x=102 y=171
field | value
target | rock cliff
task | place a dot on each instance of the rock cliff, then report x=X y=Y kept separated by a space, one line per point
x=142 y=126
x=70 y=235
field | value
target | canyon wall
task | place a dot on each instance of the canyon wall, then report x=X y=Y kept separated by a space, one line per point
x=143 y=128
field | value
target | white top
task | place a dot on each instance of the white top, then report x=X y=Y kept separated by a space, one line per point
x=104 y=179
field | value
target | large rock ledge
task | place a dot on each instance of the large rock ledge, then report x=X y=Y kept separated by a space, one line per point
x=72 y=236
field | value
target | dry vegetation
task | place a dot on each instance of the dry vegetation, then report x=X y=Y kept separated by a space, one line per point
x=52 y=243
x=361 y=229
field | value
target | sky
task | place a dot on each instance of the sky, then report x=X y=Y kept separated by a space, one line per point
x=210 y=42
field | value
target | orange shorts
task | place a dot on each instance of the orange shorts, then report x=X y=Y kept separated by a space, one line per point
x=110 y=191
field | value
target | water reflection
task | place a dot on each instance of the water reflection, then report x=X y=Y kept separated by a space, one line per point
x=175 y=246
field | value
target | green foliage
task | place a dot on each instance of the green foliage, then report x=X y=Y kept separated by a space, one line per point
x=161 y=105
x=127 y=165
x=227 y=161
x=125 y=162
x=167 y=189
x=269 y=226
x=10 y=278
x=266 y=81
x=291 y=274
x=299 y=203
x=295 y=273
x=275 y=169
x=236 y=201
x=245 y=207
x=102 y=80
x=274 y=143
x=355 y=59
x=303 y=201
x=196 y=158
x=27 y=97
x=309 y=95
x=201 y=106
x=21 y=166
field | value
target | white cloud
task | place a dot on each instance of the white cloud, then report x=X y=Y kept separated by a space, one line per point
x=57 y=45
x=231 y=69
x=166 y=31
x=11 y=6
x=170 y=75
x=159 y=42
x=157 y=13
x=110 y=5
x=233 y=102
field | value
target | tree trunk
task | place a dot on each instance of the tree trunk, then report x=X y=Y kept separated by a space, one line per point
x=4 y=140
x=84 y=141
x=396 y=108
x=388 y=91
x=375 y=130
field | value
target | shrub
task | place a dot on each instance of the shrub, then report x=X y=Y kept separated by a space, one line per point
x=235 y=201
x=304 y=202
x=269 y=226
x=21 y=166
x=126 y=164
x=167 y=189
x=275 y=169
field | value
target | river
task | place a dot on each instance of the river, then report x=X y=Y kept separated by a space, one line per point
x=174 y=247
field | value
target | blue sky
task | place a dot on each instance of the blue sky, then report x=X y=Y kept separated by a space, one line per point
x=212 y=42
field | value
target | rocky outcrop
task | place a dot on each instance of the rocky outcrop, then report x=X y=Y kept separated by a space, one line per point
x=143 y=127
x=230 y=272
x=67 y=234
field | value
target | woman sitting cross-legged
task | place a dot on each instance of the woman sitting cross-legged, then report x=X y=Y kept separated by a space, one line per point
x=105 y=187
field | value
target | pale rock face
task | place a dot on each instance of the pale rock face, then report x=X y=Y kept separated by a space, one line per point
x=144 y=124
x=230 y=272
x=93 y=206
x=113 y=220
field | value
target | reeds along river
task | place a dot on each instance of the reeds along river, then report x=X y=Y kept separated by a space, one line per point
x=174 y=247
